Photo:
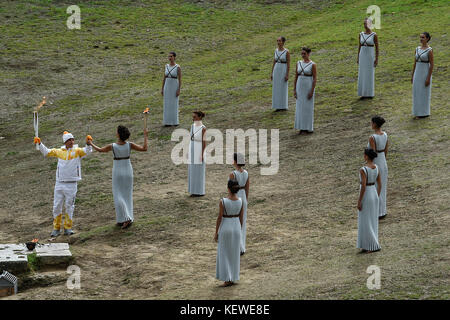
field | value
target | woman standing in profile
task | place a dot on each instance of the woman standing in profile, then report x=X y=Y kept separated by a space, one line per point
x=379 y=142
x=367 y=61
x=280 y=76
x=421 y=78
x=241 y=176
x=171 y=90
x=197 y=164
x=122 y=175
x=368 y=204
x=228 y=236
x=304 y=90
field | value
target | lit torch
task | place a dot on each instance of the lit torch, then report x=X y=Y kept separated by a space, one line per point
x=36 y=120
x=146 y=112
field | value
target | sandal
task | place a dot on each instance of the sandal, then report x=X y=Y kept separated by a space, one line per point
x=127 y=224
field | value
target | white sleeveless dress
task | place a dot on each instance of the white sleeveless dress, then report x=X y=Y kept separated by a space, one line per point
x=241 y=178
x=196 y=168
x=304 y=107
x=279 y=86
x=368 y=216
x=122 y=182
x=380 y=161
x=366 y=69
x=228 y=258
x=421 y=94
x=170 y=113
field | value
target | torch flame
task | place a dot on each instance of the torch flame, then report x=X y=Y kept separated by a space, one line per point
x=146 y=110
x=44 y=101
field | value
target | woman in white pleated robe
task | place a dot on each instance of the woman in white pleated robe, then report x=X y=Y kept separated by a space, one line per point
x=171 y=87
x=367 y=61
x=280 y=76
x=196 y=155
x=122 y=174
x=241 y=176
x=379 y=142
x=304 y=92
x=228 y=235
x=368 y=204
x=422 y=78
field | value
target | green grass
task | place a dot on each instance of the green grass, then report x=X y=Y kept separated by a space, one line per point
x=225 y=50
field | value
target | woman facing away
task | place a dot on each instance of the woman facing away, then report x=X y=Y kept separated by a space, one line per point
x=196 y=155
x=367 y=60
x=241 y=176
x=379 y=142
x=228 y=235
x=368 y=204
x=122 y=174
x=422 y=77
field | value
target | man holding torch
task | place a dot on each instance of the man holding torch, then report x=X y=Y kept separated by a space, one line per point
x=68 y=173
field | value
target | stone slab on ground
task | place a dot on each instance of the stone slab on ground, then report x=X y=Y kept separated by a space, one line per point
x=13 y=263
x=53 y=253
x=13 y=257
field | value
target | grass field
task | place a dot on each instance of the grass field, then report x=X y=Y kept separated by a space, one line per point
x=301 y=222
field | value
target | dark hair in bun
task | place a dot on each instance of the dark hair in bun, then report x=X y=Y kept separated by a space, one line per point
x=239 y=159
x=123 y=132
x=308 y=50
x=173 y=53
x=233 y=185
x=378 y=121
x=370 y=153
x=427 y=35
x=283 y=39
x=200 y=114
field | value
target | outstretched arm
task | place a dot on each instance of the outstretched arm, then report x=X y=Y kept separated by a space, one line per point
x=138 y=147
x=106 y=148
x=44 y=150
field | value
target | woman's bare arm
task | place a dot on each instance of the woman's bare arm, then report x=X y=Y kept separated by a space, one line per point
x=106 y=148
x=179 y=81
x=138 y=147
x=219 y=220
x=430 y=70
x=363 y=189
x=378 y=184
x=247 y=188
x=288 y=61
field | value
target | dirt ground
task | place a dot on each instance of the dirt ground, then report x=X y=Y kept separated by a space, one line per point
x=302 y=222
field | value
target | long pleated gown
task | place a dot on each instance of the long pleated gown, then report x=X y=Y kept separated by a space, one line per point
x=368 y=216
x=380 y=161
x=229 y=240
x=241 y=178
x=366 y=69
x=196 y=168
x=122 y=182
x=170 y=113
x=421 y=94
x=279 y=86
x=304 y=107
